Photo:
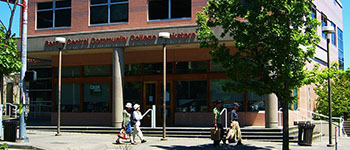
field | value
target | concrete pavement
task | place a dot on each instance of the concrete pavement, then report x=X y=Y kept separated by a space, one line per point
x=81 y=141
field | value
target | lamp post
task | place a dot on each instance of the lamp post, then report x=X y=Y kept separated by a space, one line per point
x=164 y=35
x=60 y=41
x=329 y=30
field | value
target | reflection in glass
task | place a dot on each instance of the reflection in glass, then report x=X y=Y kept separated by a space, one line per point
x=191 y=96
x=228 y=98
x=150 y=93
x=255 y=102
x=132 y=92
x=157 y=68
x=96 y=70
x=96 y=97
x=70 y=97
x=191 y=67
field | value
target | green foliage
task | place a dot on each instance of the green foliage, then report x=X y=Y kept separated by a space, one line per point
x=274 y=41
x=9 y=58
x=3 y=146
x=340 y=87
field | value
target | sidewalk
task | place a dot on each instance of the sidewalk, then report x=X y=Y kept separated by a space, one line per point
x=81 y=141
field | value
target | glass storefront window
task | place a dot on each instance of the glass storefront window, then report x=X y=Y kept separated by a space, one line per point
x=150 y=93
x=132 y=69
x=70 y=101
x=191 y=67
x=40 y=101
x=132 y=92
x=191 y=96
x=255 y=102
x=96 y=70
x=43 y=73
x=157 y=68
x=217 y=93
x=215 y=67
x=69 y=72
x=96 y=97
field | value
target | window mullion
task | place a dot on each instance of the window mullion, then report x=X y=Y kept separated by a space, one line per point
x=169 y=10
x=53 y=13
x=109 y=12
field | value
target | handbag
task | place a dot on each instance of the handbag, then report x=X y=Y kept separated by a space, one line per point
x=215 y=134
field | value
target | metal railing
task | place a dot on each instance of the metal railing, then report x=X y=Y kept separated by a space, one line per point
x=225 y=116
x=9 y=109
x=299 y=115
x=340 y=122
x=153 y=116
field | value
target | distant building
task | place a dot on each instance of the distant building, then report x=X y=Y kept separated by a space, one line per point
x=99 y=31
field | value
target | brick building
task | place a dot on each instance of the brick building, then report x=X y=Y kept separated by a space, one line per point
x=108 y=36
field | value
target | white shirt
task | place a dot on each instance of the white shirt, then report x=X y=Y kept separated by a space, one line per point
x=137 y=116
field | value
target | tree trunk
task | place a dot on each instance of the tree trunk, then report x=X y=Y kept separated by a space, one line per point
x=285 y=125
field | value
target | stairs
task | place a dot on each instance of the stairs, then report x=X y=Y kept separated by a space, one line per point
x=347 y=127
x=256 y=133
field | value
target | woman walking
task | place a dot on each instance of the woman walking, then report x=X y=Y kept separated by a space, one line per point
x=137 y=117
x=126 y=125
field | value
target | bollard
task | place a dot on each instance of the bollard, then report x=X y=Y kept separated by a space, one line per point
x=153 y=119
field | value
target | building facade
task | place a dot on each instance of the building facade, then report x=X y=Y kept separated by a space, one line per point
x=113 y=55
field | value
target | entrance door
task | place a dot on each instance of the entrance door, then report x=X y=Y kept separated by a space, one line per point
x=153 y=95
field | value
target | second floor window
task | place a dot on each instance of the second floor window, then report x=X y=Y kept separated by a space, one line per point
x=323 y=24
x=54 y=14
x=169 y=9
x=333 y=38
x=108 y=11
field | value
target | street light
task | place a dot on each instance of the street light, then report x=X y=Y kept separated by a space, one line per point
x=60 y=41
x=164 y=35
x=329 y=30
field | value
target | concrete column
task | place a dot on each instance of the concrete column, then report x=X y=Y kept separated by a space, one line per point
x=271 y=111
x=117 y=91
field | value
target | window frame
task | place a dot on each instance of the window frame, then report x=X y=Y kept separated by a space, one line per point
x=108 y=4
x=333 y=35
x=169 y=14
x=53 y=9
x=324 y=18
x=340 y=38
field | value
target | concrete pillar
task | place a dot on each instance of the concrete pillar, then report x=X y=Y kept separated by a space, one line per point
x=271 y=111
x=117 y=91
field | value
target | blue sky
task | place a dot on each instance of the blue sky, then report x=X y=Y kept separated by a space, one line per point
x=4 y=16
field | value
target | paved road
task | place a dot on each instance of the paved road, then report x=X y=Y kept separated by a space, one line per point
x=80 y=141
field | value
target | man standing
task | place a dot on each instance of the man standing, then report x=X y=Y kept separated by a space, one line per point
x=218 y=122
x=235 y=124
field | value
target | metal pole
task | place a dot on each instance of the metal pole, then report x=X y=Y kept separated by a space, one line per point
x=22 y=123
x=329 y=94
x=164 y=92
x=59 y=92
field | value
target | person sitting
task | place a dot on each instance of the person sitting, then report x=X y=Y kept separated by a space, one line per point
x=234 y=125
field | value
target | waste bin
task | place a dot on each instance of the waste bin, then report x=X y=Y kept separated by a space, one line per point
x=305 y=133
x=10 y=130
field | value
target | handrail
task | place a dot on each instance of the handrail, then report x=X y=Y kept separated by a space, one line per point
x=225 y=116
x=10 y=110
x=153 y=115
x=340 y=123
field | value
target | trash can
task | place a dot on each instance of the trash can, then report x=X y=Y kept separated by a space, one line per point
x=10 y=130
x=305 y=133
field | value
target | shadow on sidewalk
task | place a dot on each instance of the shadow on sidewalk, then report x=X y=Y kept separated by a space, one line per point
x=212 y=147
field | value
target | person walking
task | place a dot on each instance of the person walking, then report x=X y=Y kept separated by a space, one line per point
x=218 y=122
x=126 y=124
x=137 y=117
x=235 y=125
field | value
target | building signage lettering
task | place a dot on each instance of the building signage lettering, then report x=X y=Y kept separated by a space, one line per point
x=121 y=39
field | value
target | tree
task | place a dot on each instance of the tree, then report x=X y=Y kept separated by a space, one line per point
x=273 y=42
x=340 y=86
x=9 y=58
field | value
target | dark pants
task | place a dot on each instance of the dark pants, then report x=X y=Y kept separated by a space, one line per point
x=221 y=135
